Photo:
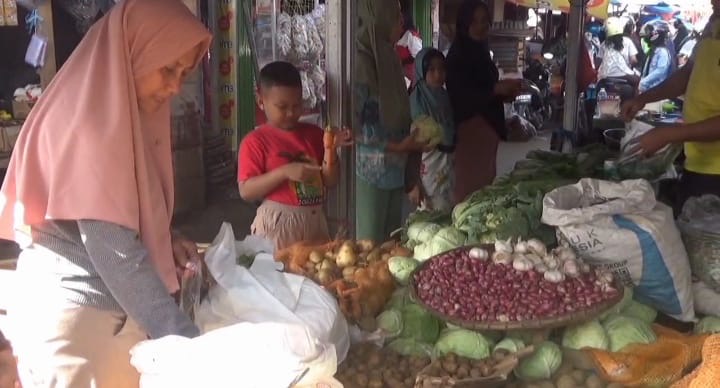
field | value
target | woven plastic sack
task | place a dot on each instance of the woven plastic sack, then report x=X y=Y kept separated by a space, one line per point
x=707 y=375
x=659 y=364
x=699 y=225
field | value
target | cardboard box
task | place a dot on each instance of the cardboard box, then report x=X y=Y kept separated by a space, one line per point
x=21 y=109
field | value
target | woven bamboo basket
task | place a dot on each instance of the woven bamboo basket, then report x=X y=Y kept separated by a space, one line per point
x=573 y=318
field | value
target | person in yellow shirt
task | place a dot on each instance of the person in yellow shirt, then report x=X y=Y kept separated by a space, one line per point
x=699 y=81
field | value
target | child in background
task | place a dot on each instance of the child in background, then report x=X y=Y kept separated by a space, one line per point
x=287 y=164
x=430 y=98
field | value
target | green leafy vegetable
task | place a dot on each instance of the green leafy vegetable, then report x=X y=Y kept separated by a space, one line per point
x=390 y=321
x=401 y=268
x=462 y=342
x=419 y=325
x=542 y=364
x=588 y=335
x=708 y=325
x=512 y=345
x=410 y=347
x=640 y=311
x=623 y=331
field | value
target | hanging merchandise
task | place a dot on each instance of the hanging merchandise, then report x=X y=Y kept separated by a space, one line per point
x=8 y=13
x=595 y=8
x=35 y=54
x=300 y=40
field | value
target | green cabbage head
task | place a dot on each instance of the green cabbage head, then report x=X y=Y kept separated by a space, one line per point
x=423 y=252
x=623 y=331
x=428 y=130
x=708 y=325
x=462 y=342
x=542 y=364
x=410 y=347
x=588 y=335
x=390 y=321
x=512 y=345
x=401 y=268
x=640 y=311
x=422 y=231
x=419 y=325
x=446 y=239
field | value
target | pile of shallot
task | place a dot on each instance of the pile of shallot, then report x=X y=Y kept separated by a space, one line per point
x=513 y=283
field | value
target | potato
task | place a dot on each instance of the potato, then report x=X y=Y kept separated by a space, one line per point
x=565 y=380
x=365 y=245
x=593 y=381
x=328 y=265
x=401 y=251
x=374 y=360
x=450 y=366
x=375 y=383
x=316 y=257
x=325 y=276
x=361 y=380
x=462 y=372
x=546 y=384
x=475 y=373
x=373 y=256
x=615 y=385
x=386 y=256
x=579 y=376
x=348 y=273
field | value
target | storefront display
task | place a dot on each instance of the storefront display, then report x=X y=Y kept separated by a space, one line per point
x=294 y=31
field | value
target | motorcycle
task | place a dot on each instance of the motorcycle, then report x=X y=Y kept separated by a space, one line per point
x=535 y=103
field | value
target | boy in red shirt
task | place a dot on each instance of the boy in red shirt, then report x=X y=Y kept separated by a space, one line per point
x=8 y=367
x=287 y=164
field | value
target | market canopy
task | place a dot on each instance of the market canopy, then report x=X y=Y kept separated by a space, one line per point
x=595 y=8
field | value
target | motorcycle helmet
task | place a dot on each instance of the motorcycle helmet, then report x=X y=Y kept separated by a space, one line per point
x=655 y=32
x=614 y=26
x=629 y=24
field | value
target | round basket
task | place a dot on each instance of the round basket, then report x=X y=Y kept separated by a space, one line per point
x=573 y=318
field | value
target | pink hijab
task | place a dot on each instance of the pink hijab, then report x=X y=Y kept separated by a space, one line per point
x=87 y=151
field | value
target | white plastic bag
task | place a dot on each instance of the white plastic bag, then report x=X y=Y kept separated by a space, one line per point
x=621 y=227
x=707 y=301
x=264 y=294
x=250 y=355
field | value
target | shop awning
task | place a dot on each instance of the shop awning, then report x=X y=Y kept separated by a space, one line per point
x=596 y=8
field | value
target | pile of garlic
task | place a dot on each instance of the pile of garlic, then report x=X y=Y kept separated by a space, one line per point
x=555 y=265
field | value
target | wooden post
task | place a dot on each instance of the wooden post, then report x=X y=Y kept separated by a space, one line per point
x=48 y=71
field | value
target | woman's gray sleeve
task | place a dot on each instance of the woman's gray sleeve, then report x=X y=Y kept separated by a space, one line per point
x=123 y=263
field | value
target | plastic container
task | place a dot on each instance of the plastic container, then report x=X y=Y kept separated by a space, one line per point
x=602 y=95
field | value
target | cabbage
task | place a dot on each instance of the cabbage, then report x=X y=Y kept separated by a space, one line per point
x=410 y=347
x=423 y=252
x=708 y=325
x=623 y=331
x=526 y=336
x=640 y=311
x=587 y=335
x=428 y=130
x=542 y=364
x=512 y=345
x=419 y=325
x=446 y=239
x=616 y=309
x=390 y=321
x=422 y=231
x=401 y=268
x=462 y=342
x=399 y=299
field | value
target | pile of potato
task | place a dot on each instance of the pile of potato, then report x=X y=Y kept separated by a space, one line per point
x=327 y=266
x=569 y=377
x=460 y=368
x=369 y=366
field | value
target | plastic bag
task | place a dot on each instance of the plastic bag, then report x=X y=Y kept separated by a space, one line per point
x=707 y=301
x=318 y=77
x=699 y=224
x=316 y=48
x=252 y=355
x=264 y=294
x=300 y=38
x=520 y=129
x=658 y=166
x=308 y=90
x=621 y=227
x=284 y=34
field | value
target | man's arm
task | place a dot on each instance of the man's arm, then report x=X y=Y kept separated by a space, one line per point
x=672 y=87
x=702 y=131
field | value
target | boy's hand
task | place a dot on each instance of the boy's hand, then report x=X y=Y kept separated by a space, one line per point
x=301 y=172
x=337 y=138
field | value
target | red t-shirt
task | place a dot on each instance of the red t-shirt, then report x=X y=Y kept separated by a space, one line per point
x=268 y=148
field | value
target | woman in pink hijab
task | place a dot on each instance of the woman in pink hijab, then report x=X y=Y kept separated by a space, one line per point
x=89 y=197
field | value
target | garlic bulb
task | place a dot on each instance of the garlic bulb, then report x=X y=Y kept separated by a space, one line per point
x=571 y=268
x=551 y=262
x=504 y=246
x=564 y=253
x=554 y=276
x=585 y=268
x=535 y=259
x=502 y=258
x=522 y=264
x=541 y=268
x=536 y=246
x=479 y=253
x=521 y=247
x=604 y=277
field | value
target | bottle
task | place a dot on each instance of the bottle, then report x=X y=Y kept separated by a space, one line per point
x=602 y=95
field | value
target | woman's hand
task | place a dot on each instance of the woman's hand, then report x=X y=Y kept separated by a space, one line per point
x=417 y=196
x=337 y=138
x=409 y=144
x=186 y=255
